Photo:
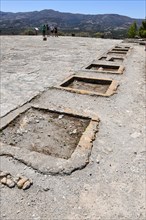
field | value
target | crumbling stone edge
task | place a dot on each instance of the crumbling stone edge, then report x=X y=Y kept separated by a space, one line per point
x=111 y=90
x=47 y=164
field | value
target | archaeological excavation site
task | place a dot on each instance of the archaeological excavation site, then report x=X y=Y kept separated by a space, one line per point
x=72 y=129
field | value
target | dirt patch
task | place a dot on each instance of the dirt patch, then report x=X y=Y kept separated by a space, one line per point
x=117 y=52
x=103 y=67
x=112 y=59
x=120 y=49
x=115 y=59
x=47 y=132
x=89 y=85
x=100 y=86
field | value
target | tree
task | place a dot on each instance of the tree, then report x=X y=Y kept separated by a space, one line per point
x=142 y=29
x=98 y=35
x=29 y=31
x=132 y=30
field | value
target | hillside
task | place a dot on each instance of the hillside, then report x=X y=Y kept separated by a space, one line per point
x=65 y=21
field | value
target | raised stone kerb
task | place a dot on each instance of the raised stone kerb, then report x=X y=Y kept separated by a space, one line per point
x=89 y=85
x=48 y=164
x=101 y=67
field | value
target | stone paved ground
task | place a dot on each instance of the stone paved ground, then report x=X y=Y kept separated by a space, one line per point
x=112 y=185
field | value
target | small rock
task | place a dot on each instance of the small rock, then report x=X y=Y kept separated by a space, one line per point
x=30 y=180
x=10 y=183
x=26 y=185
x=60 y=116
x=74 y=131
x=4 y=180
x=21 y=182
x=46 y=189
x=19 y=132
x=98 y=159
x=3 y=174
x=9 y=176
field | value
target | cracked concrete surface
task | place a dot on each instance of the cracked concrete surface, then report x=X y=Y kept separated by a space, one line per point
x=112 y=185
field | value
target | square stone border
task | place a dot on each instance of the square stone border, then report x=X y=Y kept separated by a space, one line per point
x=111 y=54
x=120 y=70
x=119 y=50
x=108 y=59
x=122 y=47
x=110 y=91
x=48 y=164
x=116 y=57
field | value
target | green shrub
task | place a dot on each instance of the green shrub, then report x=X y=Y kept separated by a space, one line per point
x=29 y=32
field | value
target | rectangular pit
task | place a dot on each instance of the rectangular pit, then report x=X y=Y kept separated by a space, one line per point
x=88 y=85
x=120 y=49
x=116 y=59
x=112 y=59
x=49 y=141
x=117 y=69
x=44 y=131
x=117 y=52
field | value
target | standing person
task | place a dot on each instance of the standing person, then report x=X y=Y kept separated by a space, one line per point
x=52 y=30
x=47 y=30
x=36 y=31
x=56 y=31
x=44 y=32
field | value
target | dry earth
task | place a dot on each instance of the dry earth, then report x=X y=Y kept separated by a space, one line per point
x=112 y=185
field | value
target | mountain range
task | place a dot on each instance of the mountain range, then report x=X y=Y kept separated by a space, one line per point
x=65 y=21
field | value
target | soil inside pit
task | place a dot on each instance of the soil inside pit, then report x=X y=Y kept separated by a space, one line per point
x=99 y=87
x=104 y=68
x=46 y=132
x=116 y=60
x=117 y=52
x=120 y=49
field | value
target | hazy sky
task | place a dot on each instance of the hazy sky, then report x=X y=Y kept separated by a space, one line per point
x=131 y=8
